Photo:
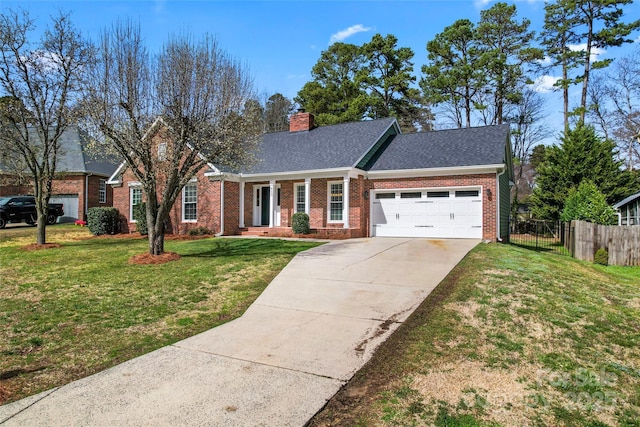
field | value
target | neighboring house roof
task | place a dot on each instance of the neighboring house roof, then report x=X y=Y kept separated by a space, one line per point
x=78 y=158
x=75 y=156
x=627 y=200
x=325 y=147
x=444 y=149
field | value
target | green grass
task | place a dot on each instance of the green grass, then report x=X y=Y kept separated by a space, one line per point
x=511 y=337
x=71 y=311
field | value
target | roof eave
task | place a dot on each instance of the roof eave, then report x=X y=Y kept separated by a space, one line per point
x=289 y=175
x=113 y=179
x=443 y=171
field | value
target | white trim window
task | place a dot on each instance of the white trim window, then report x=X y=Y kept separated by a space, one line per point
x=102 y=191
x=190 y=203
x=335 y=200
x=162 y=151
x=135 y=198
x=299 y=198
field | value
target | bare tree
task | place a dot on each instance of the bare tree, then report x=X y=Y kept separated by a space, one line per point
x=277 y=110
x=615 y=107
x=528 y=128
x=191 y=97
x=40 y=82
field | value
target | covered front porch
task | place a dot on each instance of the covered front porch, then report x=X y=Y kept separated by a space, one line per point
x=267 y=204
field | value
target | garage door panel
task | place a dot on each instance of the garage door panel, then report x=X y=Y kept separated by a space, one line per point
x=449 y=213
x=70 y=206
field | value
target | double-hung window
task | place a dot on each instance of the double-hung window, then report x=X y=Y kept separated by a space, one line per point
x=102 y=191
x=335 y=202
x=190 y=203
x=135 y=198
x=299 y=191
x=162 y=151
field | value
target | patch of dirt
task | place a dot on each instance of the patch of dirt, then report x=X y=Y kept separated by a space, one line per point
x=504 y=398
x=147 y=258
x=4 y=394
x=37 y=247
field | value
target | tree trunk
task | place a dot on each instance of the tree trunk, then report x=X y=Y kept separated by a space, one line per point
x=155 y=228
x=41 y=230
x=156 y=242
x=565 y=94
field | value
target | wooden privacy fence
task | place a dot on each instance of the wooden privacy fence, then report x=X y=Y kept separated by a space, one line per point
x=622 y=242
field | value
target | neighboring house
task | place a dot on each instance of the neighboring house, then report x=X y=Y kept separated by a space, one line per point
x=629 y=210
x=80 y=182
x=353 y=180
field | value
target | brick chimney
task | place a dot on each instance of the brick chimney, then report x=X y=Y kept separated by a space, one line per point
x=301 y=121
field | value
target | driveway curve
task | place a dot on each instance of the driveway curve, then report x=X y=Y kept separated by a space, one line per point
x=313 y=327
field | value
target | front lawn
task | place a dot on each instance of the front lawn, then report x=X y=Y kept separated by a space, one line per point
x=68 y=312
x=512 y=337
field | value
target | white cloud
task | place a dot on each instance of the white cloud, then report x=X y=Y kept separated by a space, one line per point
x=638 y=39
x=481 y=3
x=343 y=34
x=595 y=51
x=544 y=84
x=545 y=62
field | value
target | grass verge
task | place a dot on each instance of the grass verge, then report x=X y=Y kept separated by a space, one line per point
x=71 y=311
x=510 y=337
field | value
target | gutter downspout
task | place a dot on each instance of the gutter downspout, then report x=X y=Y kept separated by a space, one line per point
x=221 y=208
x=86 y=194
x=498 y=204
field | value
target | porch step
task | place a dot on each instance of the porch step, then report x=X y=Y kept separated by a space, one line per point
x=263 y=231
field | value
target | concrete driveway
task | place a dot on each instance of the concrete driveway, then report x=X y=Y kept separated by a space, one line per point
x=314 y=326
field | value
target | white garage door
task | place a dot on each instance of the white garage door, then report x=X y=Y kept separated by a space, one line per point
x=70 y=206
x=448 y=213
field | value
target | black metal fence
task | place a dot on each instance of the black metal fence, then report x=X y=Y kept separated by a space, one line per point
x=547 y=236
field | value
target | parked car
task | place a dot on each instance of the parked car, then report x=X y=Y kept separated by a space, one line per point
x=23 y=208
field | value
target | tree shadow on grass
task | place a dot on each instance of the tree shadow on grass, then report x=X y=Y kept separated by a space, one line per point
x=220 y=248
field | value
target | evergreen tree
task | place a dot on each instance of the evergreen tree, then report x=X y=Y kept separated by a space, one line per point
x=387 y=76
x=336 y=94
x=587 y=203
x=594 y=24
x=506 y=47
x=581 y=155
x=455 y=75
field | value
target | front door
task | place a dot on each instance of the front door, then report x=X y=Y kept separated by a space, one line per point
x=265 y=206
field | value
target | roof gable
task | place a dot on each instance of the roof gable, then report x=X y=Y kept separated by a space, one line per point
x=326 y=147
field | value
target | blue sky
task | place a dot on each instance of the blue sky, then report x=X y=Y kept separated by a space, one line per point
x=281 y=40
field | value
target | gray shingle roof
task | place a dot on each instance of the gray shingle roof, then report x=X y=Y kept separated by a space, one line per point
x=326 y=147
x=626 y=200
x=76 y=158
x=445 y=148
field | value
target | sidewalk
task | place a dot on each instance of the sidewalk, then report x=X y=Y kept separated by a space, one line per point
x=314 y=326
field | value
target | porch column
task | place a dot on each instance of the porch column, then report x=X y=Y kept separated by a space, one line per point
x=272 y=201
x=345 y=202
x=241 y=213
x=307 y=195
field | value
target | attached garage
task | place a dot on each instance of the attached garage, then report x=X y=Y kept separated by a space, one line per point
x=70 y=204
x=436 y=213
